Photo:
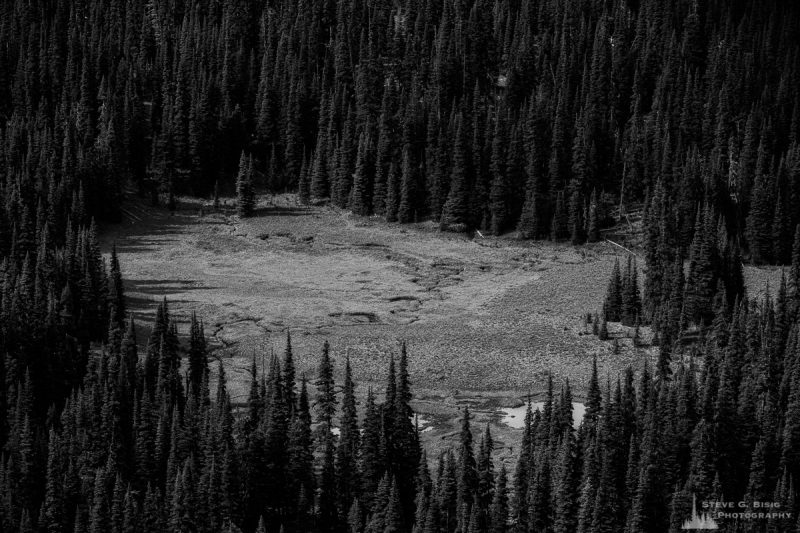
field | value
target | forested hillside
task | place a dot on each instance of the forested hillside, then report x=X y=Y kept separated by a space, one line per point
x=500 y=115
x=548 y=118
x=143 y=445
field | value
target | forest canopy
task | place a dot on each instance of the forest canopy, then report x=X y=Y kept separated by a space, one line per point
x=504 y=115
x=548 y=118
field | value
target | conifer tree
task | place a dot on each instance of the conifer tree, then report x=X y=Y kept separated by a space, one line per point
x=631 y=303
x=245 y=194
x=794 y=272
x=99 y=517
x=406 y=209
x=355 y=518
x=300 y=473
x=759 y=221
x=455 y=213
x=326 y=396
x=498 y=195
x=198 y=357
x=485 y=468
x=540 y=511
x=53 y=511
x=790 y=460
x=392 y=193
x=344 y=162
x=528 y=226
x=384 y=149
x=372 y=460
x=467 y=467
x=319 y=176
x=288 y=382
x=565 y=495
x=499 y=509
x=327 y=511
x=347 y=451
x=560 y=223
x=593 y=222
x=394 y=512
x=361 y=193
x=701 y=278
x=576 y=219
x=612 y=307
x=304 y=184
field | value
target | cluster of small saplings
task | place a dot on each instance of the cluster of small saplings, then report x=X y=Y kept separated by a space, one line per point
x=623 y=303
x=599 y=325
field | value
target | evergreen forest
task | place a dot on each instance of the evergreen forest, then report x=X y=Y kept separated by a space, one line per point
x=543 y=119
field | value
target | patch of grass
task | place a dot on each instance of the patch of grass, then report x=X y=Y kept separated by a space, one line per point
x=486 y=320
x=488 y=314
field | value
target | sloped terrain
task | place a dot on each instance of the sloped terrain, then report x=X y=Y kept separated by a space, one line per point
x=485 y=319
x=481 y=314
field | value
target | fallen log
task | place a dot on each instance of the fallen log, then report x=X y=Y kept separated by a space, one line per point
x=626 y=249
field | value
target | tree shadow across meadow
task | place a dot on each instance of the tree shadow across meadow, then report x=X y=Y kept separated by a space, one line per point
x=280 y=211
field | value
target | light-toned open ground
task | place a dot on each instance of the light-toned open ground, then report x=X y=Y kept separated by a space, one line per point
x=484 y=314
x=485 y=320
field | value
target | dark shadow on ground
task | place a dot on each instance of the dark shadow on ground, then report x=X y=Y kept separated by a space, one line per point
x=280 y=211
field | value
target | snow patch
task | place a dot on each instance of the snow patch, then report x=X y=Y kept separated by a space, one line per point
x=515 y=416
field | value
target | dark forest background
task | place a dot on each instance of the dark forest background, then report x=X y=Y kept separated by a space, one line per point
x=550 y=118
x=501 y=115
